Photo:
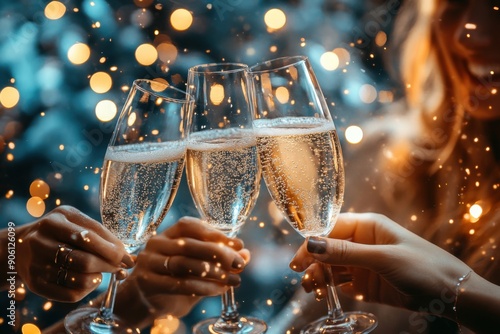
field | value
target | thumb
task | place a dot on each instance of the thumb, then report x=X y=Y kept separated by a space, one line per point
x=341 y=252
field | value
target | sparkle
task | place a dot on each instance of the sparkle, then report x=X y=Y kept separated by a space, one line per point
x=359 y=297
x=47 y=306
x=476 y=211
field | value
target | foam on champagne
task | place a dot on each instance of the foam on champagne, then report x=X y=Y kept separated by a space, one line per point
x=291 y=126
x=221 y=140
x=146 y=152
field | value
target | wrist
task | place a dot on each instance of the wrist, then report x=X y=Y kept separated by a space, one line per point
x=478 y=304
x=459 y=289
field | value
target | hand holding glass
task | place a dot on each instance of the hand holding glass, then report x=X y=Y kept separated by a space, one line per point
x=302 y=165
x=140 y=177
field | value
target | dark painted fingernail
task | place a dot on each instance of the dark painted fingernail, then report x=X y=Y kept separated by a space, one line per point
x=233 y=280
x=316 y=245
x=238 y=263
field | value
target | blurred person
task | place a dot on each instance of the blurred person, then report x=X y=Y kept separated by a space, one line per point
x=431 y=162
x=409 y=271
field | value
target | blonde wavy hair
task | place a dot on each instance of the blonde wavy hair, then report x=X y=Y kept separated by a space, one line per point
x=429 y=91
x=433 y=150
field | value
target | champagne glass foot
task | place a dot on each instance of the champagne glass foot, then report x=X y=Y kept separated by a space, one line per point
x=354 y=323
x=81 y=321
x=245 y=325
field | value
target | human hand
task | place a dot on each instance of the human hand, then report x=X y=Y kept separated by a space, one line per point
x=388 y=263
x=177 y=268
x=62 y=255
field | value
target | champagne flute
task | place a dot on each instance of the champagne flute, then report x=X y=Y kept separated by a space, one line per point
x=141 y=173
x=302 y=165
x=222 y=167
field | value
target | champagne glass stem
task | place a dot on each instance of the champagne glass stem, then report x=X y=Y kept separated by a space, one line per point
x=334 y=309
x=229 y=310
x=105 y=315
x=336 y=321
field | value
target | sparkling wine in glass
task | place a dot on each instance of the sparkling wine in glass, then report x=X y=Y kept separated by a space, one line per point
x=141 y=173
x=302 y=165
x=222 y=167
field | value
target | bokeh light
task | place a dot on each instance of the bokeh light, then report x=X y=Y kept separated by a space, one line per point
x=275 y=19
x=39 y=188
x=343 y=55
x=329 y=61
x=30 y=329
x=55 y=10
x=143 y=3
x=35 y=206
x=47 y=306
x=282 y=94
x=181 y=19
x=167 y=52
x=367 y=93
x=101 y=82
x=78 y=53
x=165 y=325
x=354 y=134
x=146 y=54
x=9 y=97
x=216 y=94
x=381 y=38
x=131 y=119
x=106 y=110
x=159 y=84
x=476 y=211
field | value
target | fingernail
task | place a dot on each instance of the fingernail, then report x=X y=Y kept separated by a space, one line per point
x=121 y=274
x=236 y=244
x=233 y=280
x=316 y=245
x=238 y=263
x=128 y=260
x=294 y=266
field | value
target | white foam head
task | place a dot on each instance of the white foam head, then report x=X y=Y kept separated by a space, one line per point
x=147 y=152
x=290 y=126
x=220 y=140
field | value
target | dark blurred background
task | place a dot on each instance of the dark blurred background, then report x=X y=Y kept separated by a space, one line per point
x=65 y=68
